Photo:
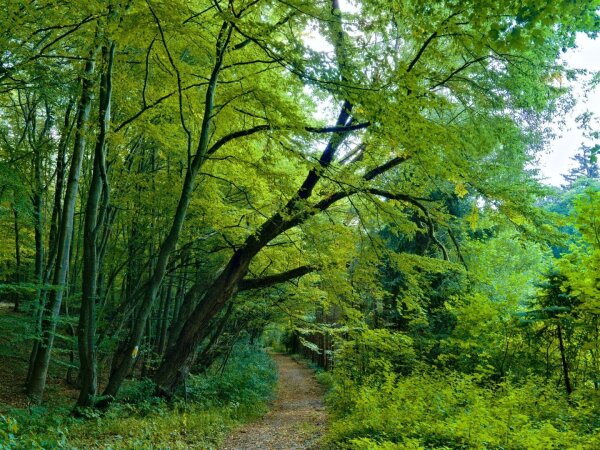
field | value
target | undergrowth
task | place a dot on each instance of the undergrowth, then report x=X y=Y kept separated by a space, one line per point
x=217 y=402
x=437 y=410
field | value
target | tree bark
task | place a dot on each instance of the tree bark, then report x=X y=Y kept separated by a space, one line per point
x=38 y=203
x=563 y=358
x=163 y=324
x=42 y=292
x=17 y=304
x=86 y=331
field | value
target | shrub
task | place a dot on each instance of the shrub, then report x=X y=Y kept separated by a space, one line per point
x=137 y=420
x=246 y=380
x=15 y=436
x=371 y=353
x=450 y=410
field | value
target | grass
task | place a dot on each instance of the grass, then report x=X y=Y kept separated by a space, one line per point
x=178 y=427
x=124 y=426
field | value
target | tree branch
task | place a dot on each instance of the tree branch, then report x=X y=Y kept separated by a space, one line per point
x=335 y=141
x=263 y=282
x=457 y=71
x=325 y=203
x=428 y=41
x=154 y=104
x=339 y=129
x=457 y=246
x=416 y=202
x=385 y=167
x=237 y=134
x=179 y=83
x=421 y=51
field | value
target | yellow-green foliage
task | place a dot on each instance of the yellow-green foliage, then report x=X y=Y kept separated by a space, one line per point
x=373 y=353
x=582 y=264
x=449 y=411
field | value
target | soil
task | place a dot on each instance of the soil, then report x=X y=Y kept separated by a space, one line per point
x=15 y=345
x=297 y=419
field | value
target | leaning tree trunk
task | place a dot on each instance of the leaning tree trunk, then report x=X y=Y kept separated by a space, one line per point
x=179 y=356
x=39 y=369
x=127 y=351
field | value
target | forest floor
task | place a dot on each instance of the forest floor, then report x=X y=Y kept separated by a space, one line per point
x=297 y=419
x=15 y=345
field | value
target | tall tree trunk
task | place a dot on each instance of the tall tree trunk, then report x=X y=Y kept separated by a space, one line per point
x=17 y=298
x=42 y=292
x=86 y=331
x=164 y=320
x=39 y=370
x=187 y=305
x=180 y=313
x=38 y=203
x=563 y=358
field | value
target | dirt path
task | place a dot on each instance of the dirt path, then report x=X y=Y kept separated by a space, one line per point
x=297 y=418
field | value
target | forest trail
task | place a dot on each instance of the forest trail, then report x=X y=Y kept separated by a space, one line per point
x=297 y=418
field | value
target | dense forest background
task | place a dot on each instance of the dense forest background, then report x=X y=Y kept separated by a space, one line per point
x=184 y=182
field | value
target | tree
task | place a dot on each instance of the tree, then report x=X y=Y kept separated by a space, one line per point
x=428 y=94
x=284 y=159
x=39 y=366
x=586 y=159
